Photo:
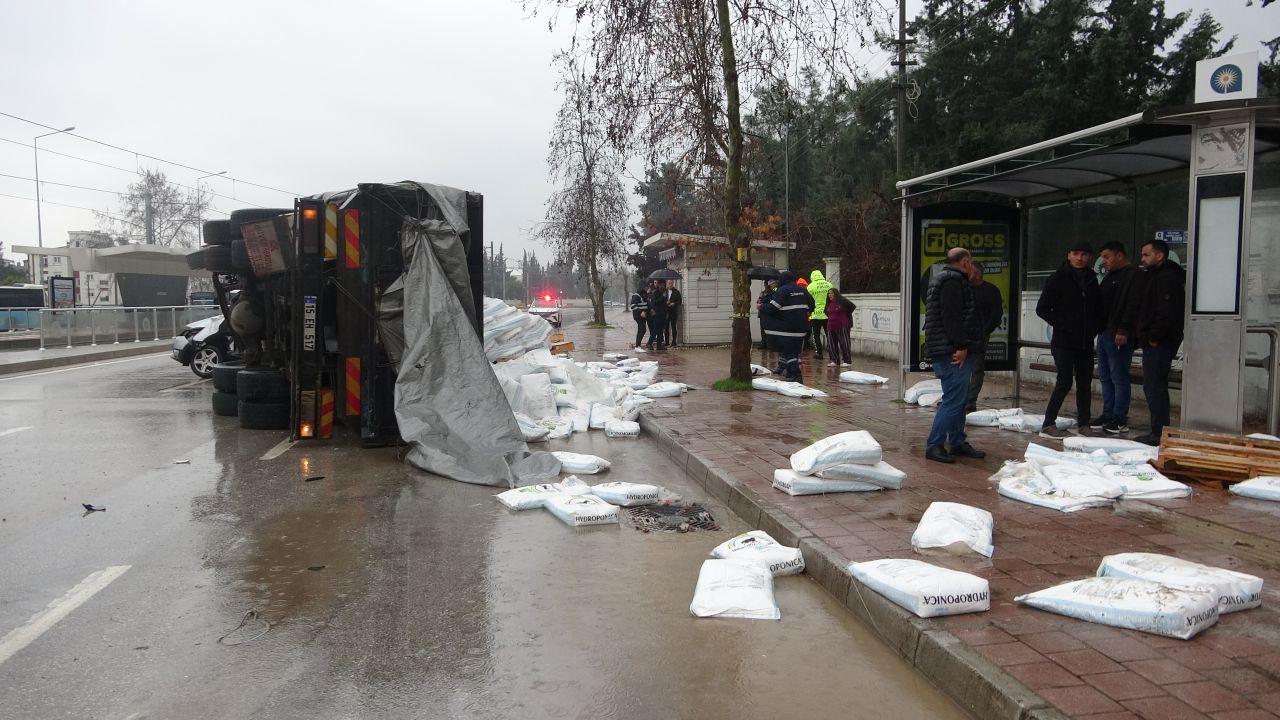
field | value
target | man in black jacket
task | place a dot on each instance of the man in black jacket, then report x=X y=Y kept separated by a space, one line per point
x=952 y=329
x=674 y=301
x=784 y=320
x=1161 y=301
x=639 y=307
x=1115 y=349
x=1070 y=304
x=991 y=312
x=658 y=316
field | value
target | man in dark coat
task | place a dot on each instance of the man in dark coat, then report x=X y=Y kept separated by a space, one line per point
x=1070 y=304
x=658 y=316
x=1115 y=346
x=951 y=329
x=674 y=301
x=784 y=320
x=991 y=313
x=1158 y=321
x=639 y=307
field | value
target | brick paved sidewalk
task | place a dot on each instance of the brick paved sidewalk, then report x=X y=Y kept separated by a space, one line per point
x=1231 y=671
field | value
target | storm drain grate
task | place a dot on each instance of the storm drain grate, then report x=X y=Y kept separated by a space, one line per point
x=671 y=518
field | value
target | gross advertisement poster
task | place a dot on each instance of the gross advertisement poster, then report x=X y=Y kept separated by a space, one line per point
x=991 y=236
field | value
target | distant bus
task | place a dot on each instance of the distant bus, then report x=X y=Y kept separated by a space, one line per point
x=20 y=307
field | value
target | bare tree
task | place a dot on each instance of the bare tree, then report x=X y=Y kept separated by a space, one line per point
x=158 y=212
x=669 y=76
x=587 y=216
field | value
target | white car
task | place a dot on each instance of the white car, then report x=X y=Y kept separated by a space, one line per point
x=548 y=312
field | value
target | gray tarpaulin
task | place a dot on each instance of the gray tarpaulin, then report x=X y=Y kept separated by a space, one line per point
x=449 y=405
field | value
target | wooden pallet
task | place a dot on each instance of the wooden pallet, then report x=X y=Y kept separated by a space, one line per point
x=1216 y=458
x=561 y=347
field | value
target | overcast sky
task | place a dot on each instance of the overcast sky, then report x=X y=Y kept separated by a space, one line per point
x=302 y=96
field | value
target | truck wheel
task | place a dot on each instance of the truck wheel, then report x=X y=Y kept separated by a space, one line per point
x=203 y=360
x=195 y=260
x=240 y=258
x=264 y=415
x=225 y=404
x=216 y=232
x=224 y=376
x=260 y=385
x=248 y=215
x=217 y=258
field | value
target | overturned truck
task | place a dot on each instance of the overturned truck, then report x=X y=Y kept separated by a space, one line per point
x=366 y=305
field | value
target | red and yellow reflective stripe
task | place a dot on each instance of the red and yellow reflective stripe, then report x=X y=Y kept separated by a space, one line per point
x=351 y=237
x=353 y=386
x=330 y=231
x=326 y=413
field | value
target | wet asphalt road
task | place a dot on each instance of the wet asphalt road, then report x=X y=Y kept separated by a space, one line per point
x=390 y=593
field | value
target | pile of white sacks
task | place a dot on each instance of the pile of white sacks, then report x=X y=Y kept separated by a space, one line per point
x=577 y=504
x=509 y=332
x=553 y=396
x=847 y=462
x=1088 y=472
x=738 y=582
x=1014 y=419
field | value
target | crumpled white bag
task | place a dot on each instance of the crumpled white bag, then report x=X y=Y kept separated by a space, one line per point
x=913 y=393
x=758 y=546
x=663 y=390
x=533 y=496
x=1066 y=487
x=861 y=378
x=1133 y=604
x=854 y=446
x=882 y=474
x=1143 y=482
x=760 y=370
x=1265 y=487
x=1234 y=590
x=532 y=431
x=734 y=589
x=948 y=528
x=580 y=464
x=924 y=589
x=539 y=395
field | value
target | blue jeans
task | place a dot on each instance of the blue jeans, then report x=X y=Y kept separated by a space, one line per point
x=1113 y=372
x=948 y=424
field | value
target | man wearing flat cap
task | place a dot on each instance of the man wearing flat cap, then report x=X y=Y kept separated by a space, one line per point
x=1071 y=305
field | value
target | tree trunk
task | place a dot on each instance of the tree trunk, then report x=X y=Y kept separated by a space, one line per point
x=740 y=350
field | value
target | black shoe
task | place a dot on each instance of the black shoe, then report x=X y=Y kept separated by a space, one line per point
x=1101 y=423
x=967 y=450
x=1117 y=427
x=939 y=454
x=1149 y=439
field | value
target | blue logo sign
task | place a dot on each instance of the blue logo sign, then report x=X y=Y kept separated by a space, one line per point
x=1227 y=79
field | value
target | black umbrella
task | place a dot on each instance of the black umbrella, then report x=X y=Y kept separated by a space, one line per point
x=664 y=274
x=763 y=273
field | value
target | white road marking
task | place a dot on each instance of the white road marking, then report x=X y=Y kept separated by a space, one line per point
x=278 y=450
x=24 y=635
x=11 y=431
x=184 y=386
x=84 y=366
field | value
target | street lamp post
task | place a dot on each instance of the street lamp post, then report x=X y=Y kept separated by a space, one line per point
x=35 y=148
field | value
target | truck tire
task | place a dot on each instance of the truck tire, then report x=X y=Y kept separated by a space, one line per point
x=261 y=385
x=195 y=260
x=226 y=404
x=224 y=376
x=264 y=415
x=217 y=258
x=240 y=258
x=248 y=215
x=216 y=232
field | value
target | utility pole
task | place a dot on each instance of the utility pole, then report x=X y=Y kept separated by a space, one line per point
x=901 y=117
x=150 y=218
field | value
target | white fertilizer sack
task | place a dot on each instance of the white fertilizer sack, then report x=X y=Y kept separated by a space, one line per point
x=1234 y=590
x=991 y=417
x=760 y=370
x=1266 y=487
x=626 y=494
x=581 y=464
x=793 y=483
x=765 y=383
x=855 y=446
x=929 y=399
x=924 y=589
x=566 y=394
x=578 y=510
x=1133 y=604
x=622 y=429
x=1143 y=482
x=663 y=390
x=948 y=528
x=533 y=496
x=1043 y=456
x=558 y=428
x=1026 y=482
x=539 y=395
x=758 y=547
x=882 y=474
x=860 y=378
x=1088 y=443
x=602 y=414
x=581 y=421
x=734 y=589
x=532 y=431
x=924 y=386
x=795 y=389
x=1136 y=456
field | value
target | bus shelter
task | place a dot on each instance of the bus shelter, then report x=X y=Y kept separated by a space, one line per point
x=1204 y=178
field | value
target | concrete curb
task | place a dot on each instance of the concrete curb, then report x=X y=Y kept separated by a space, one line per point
x=54 y=361
x=976 y=684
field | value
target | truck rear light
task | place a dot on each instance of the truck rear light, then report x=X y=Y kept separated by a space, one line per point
x=306 y=430
x=309 y=213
